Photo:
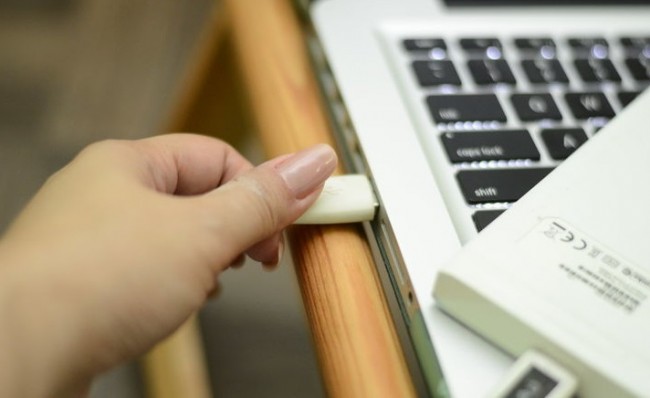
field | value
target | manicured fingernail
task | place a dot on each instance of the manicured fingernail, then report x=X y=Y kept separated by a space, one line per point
x=306 y=170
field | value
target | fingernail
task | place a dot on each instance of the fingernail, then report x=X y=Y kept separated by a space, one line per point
x=306 y=170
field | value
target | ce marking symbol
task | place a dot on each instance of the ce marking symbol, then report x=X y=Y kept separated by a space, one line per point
x=581 y=245
x=568 y=237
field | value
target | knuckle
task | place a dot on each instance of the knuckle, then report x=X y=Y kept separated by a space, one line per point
x=103 y=146
x=264 y=202
x=93 y=155
x=105 y=150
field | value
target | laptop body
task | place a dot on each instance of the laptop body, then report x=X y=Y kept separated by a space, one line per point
x=394 y=125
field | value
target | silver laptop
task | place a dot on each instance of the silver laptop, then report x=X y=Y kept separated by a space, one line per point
x=455 y=110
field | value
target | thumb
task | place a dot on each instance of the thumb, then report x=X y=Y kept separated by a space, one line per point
x=266 y=199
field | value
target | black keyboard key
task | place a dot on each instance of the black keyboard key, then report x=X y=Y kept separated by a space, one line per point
x=625 y=97
x=589 y=104
x=639 y=68
x=472 y=146
x=436 y=73
x=593 y=70
x=480 y=44
x=502 y=185
x=489 y=71
x=534 y=43
x=532 y=107
x=588 y=44
x=562 y=142
x=424 y=45
x=637 y=42
x=544 y=71
x=465 y=108
x=483 y=218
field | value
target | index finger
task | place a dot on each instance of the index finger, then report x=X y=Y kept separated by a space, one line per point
x=189 y=164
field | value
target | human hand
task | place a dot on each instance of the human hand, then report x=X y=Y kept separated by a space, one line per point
x=126 y=242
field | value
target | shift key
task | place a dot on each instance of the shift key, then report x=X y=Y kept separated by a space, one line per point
x=500 y=185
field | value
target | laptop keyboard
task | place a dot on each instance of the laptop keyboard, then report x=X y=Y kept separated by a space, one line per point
x=509 y=110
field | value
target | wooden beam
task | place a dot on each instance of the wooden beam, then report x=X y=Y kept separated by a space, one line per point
x=354 y=336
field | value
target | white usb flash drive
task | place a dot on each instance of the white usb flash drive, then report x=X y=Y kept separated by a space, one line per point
x=345 y=199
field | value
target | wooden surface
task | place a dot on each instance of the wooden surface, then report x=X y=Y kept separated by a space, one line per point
x=354 y=337
x=177 y=366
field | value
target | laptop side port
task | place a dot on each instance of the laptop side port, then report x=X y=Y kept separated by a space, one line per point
x=398 y=291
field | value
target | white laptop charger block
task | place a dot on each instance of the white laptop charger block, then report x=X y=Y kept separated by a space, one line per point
x=566 y=269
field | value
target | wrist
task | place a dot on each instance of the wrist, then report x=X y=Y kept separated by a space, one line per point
x=33 y=338
x=9 y=360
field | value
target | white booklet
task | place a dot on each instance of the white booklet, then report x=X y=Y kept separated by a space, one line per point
x=566 y=270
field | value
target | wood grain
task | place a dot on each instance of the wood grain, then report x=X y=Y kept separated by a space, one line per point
x=177 y=367
x=354 y=337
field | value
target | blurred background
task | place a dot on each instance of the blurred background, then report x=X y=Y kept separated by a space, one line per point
x=77 y=71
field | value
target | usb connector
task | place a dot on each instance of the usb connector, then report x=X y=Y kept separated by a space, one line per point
x=535 y=375
x=345 y=199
